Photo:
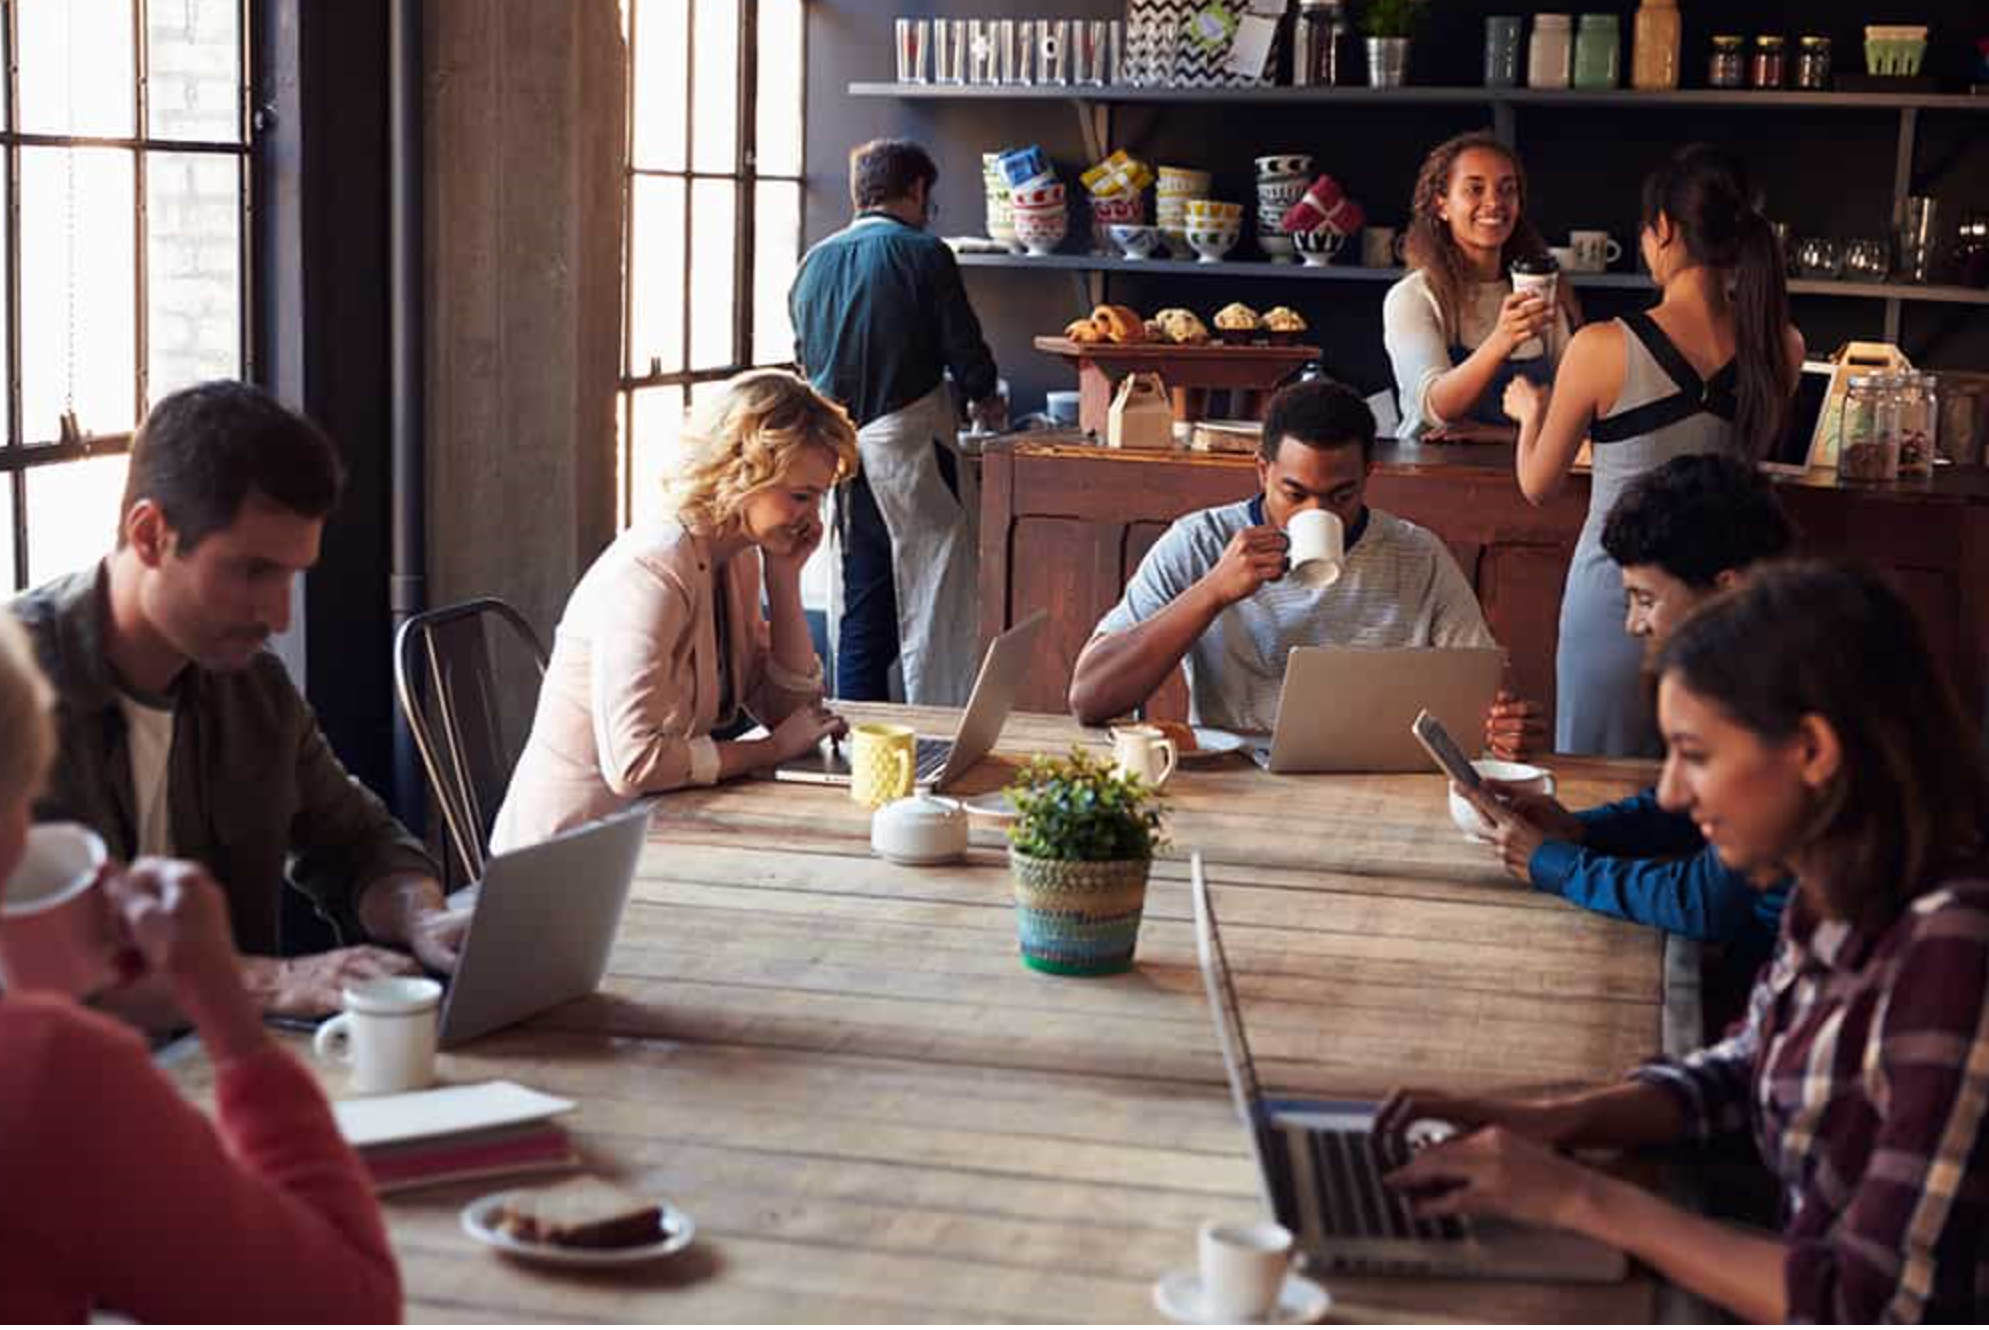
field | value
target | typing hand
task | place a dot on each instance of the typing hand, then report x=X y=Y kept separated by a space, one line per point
x=1494 y=1170
x=314 y=985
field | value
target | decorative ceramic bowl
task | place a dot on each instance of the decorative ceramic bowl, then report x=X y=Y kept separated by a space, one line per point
x=1135 y=242
x=1284 y=164
x=1211 y=245
x=1041 y=230
x=1317 y=246
x=1039 y=196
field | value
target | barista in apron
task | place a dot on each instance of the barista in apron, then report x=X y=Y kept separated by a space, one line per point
x=1456 y=332
x=881 y=318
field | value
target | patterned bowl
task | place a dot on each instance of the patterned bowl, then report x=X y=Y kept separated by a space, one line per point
x=1211 y=245
x=1135 y=242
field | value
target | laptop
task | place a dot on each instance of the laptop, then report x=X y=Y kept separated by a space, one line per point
x=940 y=762
x=545 y=920
x=1350 y=709
x=1320 y=1165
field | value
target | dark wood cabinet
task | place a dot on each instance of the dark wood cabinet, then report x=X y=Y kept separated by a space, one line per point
x=1063 y=527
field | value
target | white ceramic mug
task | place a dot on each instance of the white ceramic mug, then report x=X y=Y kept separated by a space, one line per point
x=1378 y=246
x=386 y=1034
x=1143 y=751
x=1243 y=1266
x=56 y=929
x=1318 y=547
x=1594 y=250
x=1523 y=775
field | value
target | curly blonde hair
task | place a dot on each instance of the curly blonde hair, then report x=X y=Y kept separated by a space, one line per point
x=747 y=439
x=25 y=702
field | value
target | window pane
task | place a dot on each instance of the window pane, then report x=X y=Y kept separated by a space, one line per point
x=11 y=575
x=656 y=277
x=661 y=79
x=193 y=64
x=77 y=75
x=77 y=282
x=72 y=514
x=658 y=425
x=779 y=89
x=193 y=249
x=714 y=212
x=776 y=254
x=715 y=91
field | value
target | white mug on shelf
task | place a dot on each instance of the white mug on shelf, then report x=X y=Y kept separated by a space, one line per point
x=386 y=1034
x=1594 y=250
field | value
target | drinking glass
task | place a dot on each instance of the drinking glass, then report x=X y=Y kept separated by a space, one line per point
x=914 y=38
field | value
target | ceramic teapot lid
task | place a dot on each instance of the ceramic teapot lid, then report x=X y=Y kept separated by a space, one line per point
x=920 y=810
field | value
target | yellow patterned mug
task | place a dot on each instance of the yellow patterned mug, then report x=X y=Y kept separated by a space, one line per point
x=881 y=763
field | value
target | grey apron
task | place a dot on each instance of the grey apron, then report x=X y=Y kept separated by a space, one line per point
x=935 y=563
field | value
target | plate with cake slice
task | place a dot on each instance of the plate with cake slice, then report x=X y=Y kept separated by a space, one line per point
x=583 y=1221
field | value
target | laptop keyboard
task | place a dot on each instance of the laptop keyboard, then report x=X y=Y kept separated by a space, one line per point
x=932 y=755
x=1344 y=1171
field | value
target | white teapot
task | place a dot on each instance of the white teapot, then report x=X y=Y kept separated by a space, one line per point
x=921 y=829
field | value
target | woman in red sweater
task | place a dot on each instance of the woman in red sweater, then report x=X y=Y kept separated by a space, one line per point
x=119 y=1195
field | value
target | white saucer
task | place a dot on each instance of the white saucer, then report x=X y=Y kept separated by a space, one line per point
x=1178 y=1295
x=674 y=1234
x=1211 y=743
x=993 y=804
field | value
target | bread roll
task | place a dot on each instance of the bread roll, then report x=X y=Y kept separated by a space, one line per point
x=583 y=1212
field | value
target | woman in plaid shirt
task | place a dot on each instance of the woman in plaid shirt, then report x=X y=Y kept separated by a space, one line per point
x=1807 y=727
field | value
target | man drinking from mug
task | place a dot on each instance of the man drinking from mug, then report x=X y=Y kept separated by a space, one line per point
x=1212 y=596
x=179 y=735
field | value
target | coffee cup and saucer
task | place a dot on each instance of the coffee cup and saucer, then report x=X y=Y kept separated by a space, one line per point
x=1519 y=775
x=1244 y=1274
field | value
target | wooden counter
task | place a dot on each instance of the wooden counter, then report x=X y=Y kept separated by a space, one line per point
x=1063 y=527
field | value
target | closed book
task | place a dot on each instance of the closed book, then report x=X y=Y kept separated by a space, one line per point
x=533 y=1148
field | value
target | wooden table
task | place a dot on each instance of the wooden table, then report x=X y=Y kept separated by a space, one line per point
x=840 y=1068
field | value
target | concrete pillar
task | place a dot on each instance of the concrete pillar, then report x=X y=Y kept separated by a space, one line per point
x=524 y=161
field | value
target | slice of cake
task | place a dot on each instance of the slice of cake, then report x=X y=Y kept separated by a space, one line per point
x=585 y=1212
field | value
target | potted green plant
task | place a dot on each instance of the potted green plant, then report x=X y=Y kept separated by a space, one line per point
x=1389 y=24
x=1079 y=850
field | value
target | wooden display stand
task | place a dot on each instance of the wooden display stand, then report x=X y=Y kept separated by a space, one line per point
x=1191 y=372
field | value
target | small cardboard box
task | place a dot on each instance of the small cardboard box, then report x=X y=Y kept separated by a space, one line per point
x=1141 y=416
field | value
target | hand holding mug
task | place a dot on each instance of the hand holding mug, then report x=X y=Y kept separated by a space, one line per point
x=1253 y=557
x=173 y=918
x=1523 y=316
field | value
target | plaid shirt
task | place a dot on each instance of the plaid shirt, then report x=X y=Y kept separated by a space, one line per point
x=1863 y=1069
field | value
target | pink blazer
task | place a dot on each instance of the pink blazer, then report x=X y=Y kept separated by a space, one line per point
x=631 y=693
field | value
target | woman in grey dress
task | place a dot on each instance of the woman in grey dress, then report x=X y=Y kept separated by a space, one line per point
x=1710 y=369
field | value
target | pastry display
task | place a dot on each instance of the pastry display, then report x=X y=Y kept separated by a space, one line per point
x=1237 y=323
x=1084 y=332
x=1119 y=324
x=1182 y=327
x=1284 y=324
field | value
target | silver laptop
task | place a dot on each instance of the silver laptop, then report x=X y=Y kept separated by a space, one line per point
x=545 y=921
x=1320 y=1164
x=1350 y=709
x=940 y=762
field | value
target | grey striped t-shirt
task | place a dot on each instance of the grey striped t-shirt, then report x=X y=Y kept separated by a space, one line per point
x=1400 y=588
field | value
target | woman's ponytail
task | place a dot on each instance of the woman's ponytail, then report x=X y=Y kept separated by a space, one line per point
x=1767 y=381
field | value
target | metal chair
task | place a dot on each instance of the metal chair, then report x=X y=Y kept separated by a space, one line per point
x=446 y=675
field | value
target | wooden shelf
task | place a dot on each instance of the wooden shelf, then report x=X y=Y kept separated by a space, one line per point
x=1349 y=272
x=1719 y=98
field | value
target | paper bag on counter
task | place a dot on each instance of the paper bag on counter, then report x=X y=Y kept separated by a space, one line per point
x=1141 y=415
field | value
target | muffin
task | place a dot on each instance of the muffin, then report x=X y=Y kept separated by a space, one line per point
x=1283 y=325
x=1238 y=324
x=1183 y=327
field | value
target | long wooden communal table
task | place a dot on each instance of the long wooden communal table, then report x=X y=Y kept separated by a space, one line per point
x=842 y=1070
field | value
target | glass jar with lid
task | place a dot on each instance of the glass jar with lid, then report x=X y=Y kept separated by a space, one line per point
x=1727 y=66
x=1915 y=402
x=1867 y=442
x=1598 y=52
x=1813 y=63
x=1550 y=56
x=1770 y=61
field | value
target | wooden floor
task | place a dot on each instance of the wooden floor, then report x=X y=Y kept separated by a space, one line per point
x=840 y=1068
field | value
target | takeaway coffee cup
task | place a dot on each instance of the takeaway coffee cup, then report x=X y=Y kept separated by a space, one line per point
x=1242 y=1267
x=1318 y=547
x=1534 y=780
x=386 y=1034
x=1540 y=276
x=57 y=933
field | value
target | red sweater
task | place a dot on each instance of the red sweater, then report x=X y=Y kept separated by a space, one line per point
x=116 y=1193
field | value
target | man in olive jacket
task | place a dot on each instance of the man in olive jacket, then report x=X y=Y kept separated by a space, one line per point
x=179 y=734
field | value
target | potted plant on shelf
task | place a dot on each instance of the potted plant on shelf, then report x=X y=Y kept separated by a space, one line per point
x=1389 y=24
x=1083 y=839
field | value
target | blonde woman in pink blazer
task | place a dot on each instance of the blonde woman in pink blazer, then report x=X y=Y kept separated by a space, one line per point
x=664 y=640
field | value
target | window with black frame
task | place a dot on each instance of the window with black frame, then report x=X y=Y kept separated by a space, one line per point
x=712 y=228
x=126 y=179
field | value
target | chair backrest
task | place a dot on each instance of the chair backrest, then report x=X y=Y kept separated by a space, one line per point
x=452 y=677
